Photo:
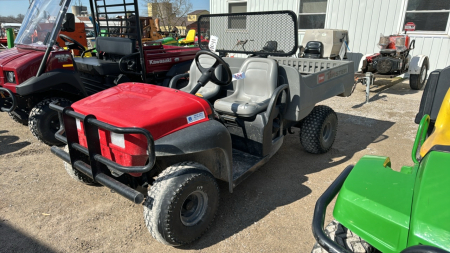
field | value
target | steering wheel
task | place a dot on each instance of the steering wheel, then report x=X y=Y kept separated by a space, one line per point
x=72 y=42
x=208 y=74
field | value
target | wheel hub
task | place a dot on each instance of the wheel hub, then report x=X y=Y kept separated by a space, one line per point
x=326 y=133
x=194 y=208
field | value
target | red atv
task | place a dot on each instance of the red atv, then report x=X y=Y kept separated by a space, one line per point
x=38 y=71
x=178 y=143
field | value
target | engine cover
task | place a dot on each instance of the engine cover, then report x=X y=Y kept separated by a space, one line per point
x=387 y=65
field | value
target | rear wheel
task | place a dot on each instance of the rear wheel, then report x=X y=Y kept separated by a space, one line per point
x=345 y=238
x=416 y=82
x=319 y=129
x=44 y=122
x=182 y=204
x=20 y=116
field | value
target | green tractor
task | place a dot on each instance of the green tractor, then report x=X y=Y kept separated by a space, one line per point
x=382 y=210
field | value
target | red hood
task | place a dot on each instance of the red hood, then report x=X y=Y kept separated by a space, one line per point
x=10 y=55
x=158 y=109
x=23 y=62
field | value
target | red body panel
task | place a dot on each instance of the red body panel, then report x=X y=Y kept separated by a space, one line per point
x=161 y=58
x=371 y=57
x=25 y=64
x=160 y=110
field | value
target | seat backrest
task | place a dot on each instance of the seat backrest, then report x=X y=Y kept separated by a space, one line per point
x=261 y=75
x=190 y=36
x=195 y=74
x=115 y=45
x=441 y=134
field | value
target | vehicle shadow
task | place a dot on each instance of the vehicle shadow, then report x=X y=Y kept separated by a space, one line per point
x=274 y=186
x=9 y=144
x=13 y=240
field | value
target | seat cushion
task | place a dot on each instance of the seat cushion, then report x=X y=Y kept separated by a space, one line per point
x=240 y=107
x=94 y=66
x=253 y=93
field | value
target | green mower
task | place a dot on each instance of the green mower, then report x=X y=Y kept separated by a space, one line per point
x=382 y=210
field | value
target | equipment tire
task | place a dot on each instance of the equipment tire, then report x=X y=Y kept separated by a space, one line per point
x=318 y=130
x=416 y=82
x=44 y=122
x=77 y=175
x=345 y=238
x=182 y=204
x=20 y=116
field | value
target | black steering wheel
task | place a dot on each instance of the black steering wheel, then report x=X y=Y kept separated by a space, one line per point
x=71 y=43
x=208 y=74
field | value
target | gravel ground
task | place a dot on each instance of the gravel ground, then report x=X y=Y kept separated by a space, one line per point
x=43 y=210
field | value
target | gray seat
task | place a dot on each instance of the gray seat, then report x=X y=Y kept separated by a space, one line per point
x=211 y=89
x=253 y=93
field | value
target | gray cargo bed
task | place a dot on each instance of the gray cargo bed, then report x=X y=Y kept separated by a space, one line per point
x=313 y=80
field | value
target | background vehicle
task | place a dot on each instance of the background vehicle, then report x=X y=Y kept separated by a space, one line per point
x=382 y=210
x=177 y=144
x=37 y=72
x=394 y=59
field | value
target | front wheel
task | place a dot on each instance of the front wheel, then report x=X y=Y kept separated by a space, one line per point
x=416 y=82
x=345 y=238
x=44 y=122
x=19 y=115
x=182 y=204
x=319 y=129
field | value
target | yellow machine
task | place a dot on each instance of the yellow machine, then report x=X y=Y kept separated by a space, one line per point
x=441 y=134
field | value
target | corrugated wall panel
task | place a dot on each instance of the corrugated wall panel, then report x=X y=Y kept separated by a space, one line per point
x=365 y=20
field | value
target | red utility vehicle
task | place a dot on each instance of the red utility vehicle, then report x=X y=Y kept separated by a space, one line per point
x=178 y=143
x=38 y=71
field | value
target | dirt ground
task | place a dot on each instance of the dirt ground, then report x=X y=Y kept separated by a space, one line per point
x=43 y=210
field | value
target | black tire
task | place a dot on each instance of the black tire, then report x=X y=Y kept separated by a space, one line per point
x=345 y=238
x=44 y=122
x=171 y=217
x=77 y=175
x=318 y=130
x=416 y=82
x=20 y=116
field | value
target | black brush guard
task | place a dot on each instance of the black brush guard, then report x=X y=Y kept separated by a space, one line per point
x=319 y=219
x=98 y=163
x=3 y=100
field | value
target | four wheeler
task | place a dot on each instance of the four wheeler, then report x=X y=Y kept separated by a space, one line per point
x=38 y=72
x=382 y=210
x=394 y=60
x=177 y=143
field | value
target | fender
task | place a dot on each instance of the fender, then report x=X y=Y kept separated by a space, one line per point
x=416 y=64
x=58 y=79
x=177 y=69
x=208 y=143
x=365 y=203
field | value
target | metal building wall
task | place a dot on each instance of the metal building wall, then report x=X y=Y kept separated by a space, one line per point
x=365 y=20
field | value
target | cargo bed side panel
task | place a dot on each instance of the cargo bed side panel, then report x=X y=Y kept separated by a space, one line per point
x=313 y=80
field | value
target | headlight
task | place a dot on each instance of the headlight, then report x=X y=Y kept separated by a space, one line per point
x=118 y=140
x=10 y=76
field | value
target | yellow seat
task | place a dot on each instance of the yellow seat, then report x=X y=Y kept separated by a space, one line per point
x=190 y=38
x=441 y=134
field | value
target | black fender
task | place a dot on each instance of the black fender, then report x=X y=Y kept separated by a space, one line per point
x=57 y=80
x=208 y=143
x=177 y=69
